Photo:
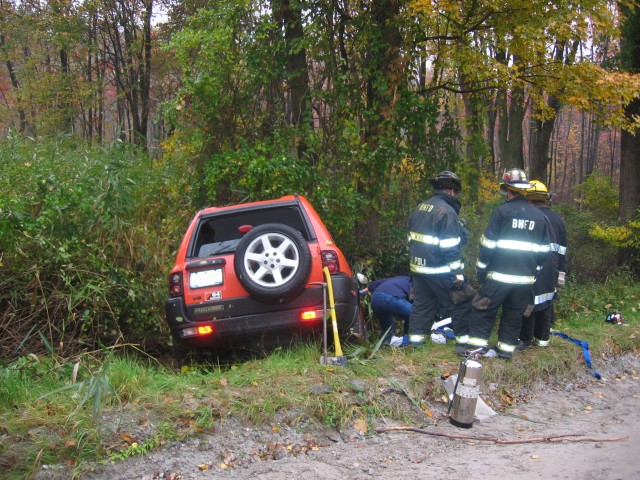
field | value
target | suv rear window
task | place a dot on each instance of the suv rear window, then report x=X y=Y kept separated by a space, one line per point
x=220 y=233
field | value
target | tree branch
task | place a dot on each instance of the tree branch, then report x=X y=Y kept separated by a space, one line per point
x=549 y=439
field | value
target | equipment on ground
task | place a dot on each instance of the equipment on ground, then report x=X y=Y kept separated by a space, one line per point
x=339 y=359
x=615 y=318
x=462 y=406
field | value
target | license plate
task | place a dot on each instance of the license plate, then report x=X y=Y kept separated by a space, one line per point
x=205 y=278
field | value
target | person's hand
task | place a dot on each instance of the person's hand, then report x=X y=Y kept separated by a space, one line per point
x=458 y=280
x=562 y=279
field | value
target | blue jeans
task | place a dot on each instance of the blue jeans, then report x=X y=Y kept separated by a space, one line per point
x=387 y=307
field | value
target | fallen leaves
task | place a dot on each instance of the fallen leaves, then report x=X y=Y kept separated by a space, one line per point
x=360 y=425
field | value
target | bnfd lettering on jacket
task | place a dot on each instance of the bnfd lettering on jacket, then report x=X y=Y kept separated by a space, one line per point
x=523 y=224
x=425 y=207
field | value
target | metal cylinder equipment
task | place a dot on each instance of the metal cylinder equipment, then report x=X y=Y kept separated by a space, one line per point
x=465 y=394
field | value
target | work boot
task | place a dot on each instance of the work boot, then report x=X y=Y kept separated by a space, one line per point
x=524 y=344
x=502 y=354
x=462 y=349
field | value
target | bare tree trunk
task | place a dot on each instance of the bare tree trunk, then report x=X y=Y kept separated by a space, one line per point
x=383 y=84
x=299 y=108
x=567 y=158
x=145 y=74
x=22 y=117
x=583 y=147
x=612 y=151
x=594 y=147
x=630 y=167
x=514 y=151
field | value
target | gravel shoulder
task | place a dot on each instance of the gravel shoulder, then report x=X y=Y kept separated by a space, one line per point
x=597 y=419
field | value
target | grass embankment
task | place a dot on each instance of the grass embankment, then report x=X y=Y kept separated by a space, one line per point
x=110 y=405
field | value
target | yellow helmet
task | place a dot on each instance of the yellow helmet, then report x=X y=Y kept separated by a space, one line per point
x=538 y=191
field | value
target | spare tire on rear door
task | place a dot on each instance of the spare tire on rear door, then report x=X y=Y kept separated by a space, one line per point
x=273 y=262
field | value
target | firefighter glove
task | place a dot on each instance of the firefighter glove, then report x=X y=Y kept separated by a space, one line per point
x=562 y=279
x=458 y=280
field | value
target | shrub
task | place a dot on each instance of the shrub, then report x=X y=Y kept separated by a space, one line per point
x=84 y=245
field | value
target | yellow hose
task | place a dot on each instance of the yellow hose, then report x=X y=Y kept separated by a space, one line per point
x=332 y=309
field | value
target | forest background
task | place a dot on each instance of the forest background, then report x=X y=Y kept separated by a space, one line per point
x=120 y=118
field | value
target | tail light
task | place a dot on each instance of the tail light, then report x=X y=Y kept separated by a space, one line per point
x=205 y=329
x=198 y=331
x=175 y=284
x=309 y=316
x=330 y=260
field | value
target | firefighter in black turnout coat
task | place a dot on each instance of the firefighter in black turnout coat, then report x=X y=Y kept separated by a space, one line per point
x=436 y=238
x=513 y=248
x=536 y=328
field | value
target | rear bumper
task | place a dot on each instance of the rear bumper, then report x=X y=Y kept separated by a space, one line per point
x=240 y=322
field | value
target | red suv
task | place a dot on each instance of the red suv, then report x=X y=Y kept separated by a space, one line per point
x=251 y=275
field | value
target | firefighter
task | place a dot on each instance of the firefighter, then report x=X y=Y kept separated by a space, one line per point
x=536 y=328
x=436 y=237
x=512 y=250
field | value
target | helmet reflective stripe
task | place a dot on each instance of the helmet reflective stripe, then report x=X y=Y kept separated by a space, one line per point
x=481 y=265
x=505 y=347
x=478 y=342
x=485 y=242
x=520 y=186
x=431 y=240
x=505 y=278
x=545 y=297
x=416 y=338
x=524 y=246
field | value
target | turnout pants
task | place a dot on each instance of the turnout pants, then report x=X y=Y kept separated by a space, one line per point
x=538 y=325
x=514 y=300
x=432 y=295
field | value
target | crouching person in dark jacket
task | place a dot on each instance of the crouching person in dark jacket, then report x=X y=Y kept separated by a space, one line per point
x=390 y=299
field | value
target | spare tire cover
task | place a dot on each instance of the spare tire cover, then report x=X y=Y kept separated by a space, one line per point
x=273 y=262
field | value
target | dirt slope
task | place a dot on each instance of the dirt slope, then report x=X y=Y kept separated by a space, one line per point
x=598 y=411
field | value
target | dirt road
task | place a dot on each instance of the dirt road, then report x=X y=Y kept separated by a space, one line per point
x=603 y=415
